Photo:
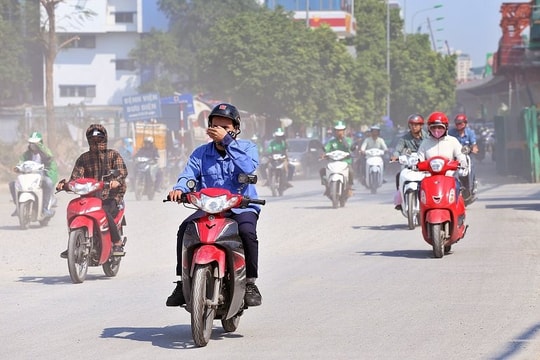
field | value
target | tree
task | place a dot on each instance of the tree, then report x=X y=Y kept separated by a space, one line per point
x=14 y=76
x=158 y=61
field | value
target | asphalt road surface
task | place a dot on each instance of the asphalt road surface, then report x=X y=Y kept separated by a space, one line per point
x=348 y=283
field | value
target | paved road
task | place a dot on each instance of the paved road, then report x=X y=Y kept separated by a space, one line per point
x=349 y=283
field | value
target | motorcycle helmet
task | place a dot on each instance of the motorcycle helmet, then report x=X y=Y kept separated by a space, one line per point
x=340 y=125
x=375 y=128
x=460 y=121
x=415 y=119
x=35 y=138
x=437 y=119
x=149 y=140
x=225 y=110
x=279 y=132
x=96 y=131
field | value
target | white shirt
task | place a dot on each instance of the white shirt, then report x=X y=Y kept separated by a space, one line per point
x=447 y=146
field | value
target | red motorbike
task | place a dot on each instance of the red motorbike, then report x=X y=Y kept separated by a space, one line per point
x=213 y=261
x=89 y=241
x=442 y=209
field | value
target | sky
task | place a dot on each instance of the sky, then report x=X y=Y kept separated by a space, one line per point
x=469 y=26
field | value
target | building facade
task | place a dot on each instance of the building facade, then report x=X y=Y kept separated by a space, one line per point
x=95 y=67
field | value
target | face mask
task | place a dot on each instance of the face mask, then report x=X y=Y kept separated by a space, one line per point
x=438 y=133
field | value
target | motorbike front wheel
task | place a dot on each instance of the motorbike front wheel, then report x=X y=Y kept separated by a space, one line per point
x=202 y=314
x=335 y=193
x=139 y=186
x=274 y=183
x=437 y=237
x=373 y=182
x=78 y=256
x=150 y=188
x=25 y=213
x=410 y=201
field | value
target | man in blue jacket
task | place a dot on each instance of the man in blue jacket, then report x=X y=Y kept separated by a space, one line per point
x=218 y=164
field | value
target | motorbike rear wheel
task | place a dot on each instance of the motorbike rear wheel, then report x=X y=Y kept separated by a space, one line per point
x=230 y=325
x=202 y=314
x=437 y=236
x=410 y=202
x=25 y=213
x=111 y=267
x=78 y=256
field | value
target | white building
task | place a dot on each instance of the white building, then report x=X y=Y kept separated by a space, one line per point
x=95 y=69
x=463 y=68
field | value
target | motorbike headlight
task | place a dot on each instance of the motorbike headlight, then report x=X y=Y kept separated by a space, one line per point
x=213 y=205
x=83 y=188
x=436 y=165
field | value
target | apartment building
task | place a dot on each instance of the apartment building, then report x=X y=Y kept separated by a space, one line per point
x=95 y=69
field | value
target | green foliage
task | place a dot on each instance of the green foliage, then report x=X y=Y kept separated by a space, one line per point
x=14 y=76
x=265 y=62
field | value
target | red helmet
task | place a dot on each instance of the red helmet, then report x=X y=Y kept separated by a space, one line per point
x=460 y=118
x=415 y=119
x=438 y=118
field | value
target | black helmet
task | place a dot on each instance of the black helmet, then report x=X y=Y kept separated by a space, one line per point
x=96 y=130
x=228 y=111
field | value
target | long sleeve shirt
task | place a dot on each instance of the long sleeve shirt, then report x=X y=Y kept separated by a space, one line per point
x=447 y=146
x=409 y=142
x=370 y=143
x=210 y=168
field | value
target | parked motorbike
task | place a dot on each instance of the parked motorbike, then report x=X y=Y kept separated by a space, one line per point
x=442 y=209
x=145 y=177
x=214 y=268
x=336 y=178
x=374 y=169
x=29 y=194
x=89 y=242
x=277 y=181
x=409 y=184
x=469 y=185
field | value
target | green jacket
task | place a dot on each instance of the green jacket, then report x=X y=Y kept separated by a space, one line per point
x=47 y=158
x=346 y=144
x=276 y=147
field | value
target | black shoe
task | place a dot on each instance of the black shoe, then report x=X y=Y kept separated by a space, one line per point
x=253 y=296
x=118 y=250
x=398 y=207
x=63 y=254
x=177 y=296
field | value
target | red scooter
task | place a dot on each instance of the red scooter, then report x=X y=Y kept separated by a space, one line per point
x=442 y=209
x=213 y=261
x=89 y=241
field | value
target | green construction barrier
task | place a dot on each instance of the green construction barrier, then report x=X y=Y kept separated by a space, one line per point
x=530 y=118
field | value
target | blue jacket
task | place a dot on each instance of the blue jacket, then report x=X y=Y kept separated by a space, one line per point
x=210 y=169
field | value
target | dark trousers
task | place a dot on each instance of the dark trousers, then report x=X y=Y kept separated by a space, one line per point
x=111 y=210
x=247 y=227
